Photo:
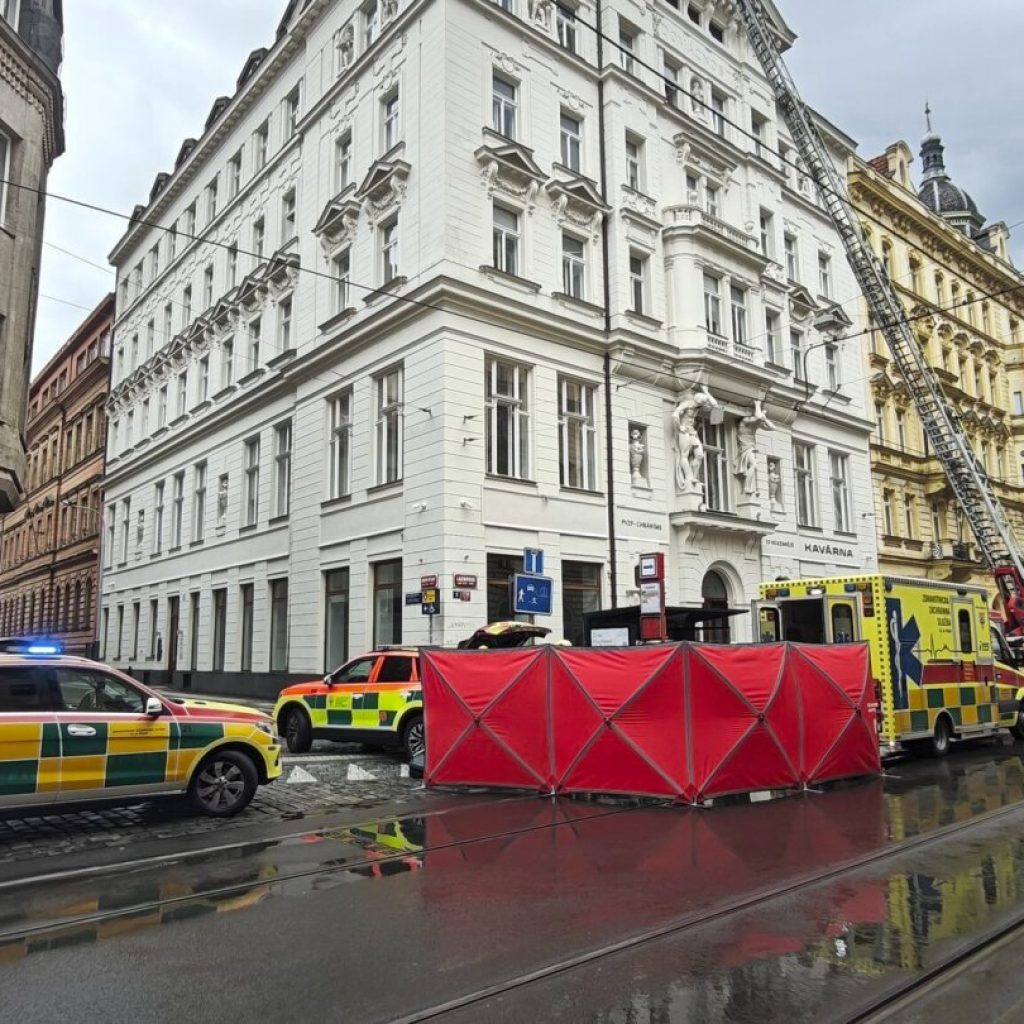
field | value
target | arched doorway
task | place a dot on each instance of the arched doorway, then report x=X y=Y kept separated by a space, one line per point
x=714 y=592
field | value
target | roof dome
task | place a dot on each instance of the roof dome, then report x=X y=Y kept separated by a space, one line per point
x=940 y=195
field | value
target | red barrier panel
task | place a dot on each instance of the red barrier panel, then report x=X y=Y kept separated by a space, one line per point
x=618 y=722
x=685 y=722
x=837 y=690
x=486 y=713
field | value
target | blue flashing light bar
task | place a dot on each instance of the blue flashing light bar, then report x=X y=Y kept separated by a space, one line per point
x=43 y=649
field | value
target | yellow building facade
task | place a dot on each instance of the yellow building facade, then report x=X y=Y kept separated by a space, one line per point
x=966 y=300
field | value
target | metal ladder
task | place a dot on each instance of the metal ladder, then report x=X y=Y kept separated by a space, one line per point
x=942 y=424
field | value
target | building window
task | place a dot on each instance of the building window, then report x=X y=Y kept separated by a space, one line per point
x=880 y=422
x=190 y=222
x=711 y=200
x=738 y=304
x=565 y=24
x=246 y=593
x=172 y=243
x=670 y=75
x=279 y=625
x=283 y=469
x=336 y=609
x=389 y=426
x=251 y=496
x=901 y=429
x=234 y=175
x=712 y=305
x=772 y=336
x=154 y=629
x=288 y=216
x=259 y=234
x=573 y=266
x=571 y=136
x=389 y=251
x=627 y=44
x=341 y=444
x=767 y=233
x=199 y=502
x=162 y=407
x=634 y=150
x=120 y=627
x=909 y=515
x=504 y=106
x=292 y=106
x=581 y=593
x=182 y=393
x=211 y=201
x=284 y=325
x=255 y=336
x=391 y=125
x=343 y=161
x=177 y=509
x=220 y=624
x=798 y=355
x=186 y=306
x=5 y=169
x=370 y=23
x=577 y=434
x=126 y=523
x=232 y=265
x=792 y=260
x=759 y=130
x=833 y=379
x=340 y=272
x=915 y=276
x=1018 y=403
x=204 y=379
x=806 y=490
x=227 y=365
x=887 y=258
x=825 y=275
x=506 y=240
x=718 y=112
x=154 y=262
x=508 y=419
x=839 y=469
x=500 y=570
x=261 y=144
x=158 y=517
x=715 y=471
x=717 y=31
x=637 y=282
x=387 y=602
x=208 y=286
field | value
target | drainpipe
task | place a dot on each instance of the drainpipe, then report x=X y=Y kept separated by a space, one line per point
x=608 y=439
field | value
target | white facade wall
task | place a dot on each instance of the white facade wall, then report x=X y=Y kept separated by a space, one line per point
x=454 y=312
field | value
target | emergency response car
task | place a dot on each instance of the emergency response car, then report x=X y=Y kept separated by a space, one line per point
x=940 y=672
x=72 y=730
x=377 y=698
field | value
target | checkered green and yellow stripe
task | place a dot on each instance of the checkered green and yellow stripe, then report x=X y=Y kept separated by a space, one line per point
x=40 y=758
x=967 y=704
x=377 y=707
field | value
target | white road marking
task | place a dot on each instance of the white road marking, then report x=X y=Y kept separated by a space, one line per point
x=299 y=775
x=357 y=774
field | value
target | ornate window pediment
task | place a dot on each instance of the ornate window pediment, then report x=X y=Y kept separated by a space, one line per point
x=337 y=222
x=282 y=270
x=801 y=303
x=577 y=201
x=384 y=187
x=832 y=318
x=509 y=168
x=250 y=291
x=223 y=312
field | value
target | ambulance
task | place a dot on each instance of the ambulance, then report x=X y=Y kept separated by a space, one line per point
x=941 y=672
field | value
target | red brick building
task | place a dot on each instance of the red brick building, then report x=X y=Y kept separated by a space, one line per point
x=50 y=544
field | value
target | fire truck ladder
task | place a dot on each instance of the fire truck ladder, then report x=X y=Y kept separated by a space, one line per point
x=942 y=424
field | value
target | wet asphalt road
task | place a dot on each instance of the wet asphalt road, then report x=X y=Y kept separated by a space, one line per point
x=481 y=909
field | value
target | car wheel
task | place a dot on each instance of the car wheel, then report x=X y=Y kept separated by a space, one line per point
x=224 y=783
x=414 y=740
x=942 y=737
x=298 y=731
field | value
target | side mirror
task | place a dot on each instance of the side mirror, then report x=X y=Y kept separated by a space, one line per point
x=154 y=707
x=328 y=681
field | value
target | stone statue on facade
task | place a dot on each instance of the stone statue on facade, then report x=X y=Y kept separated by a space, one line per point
x=697 y=97
x=389 y=9
x=540 y=12
x=346 y=45
x=694 y=404
x=775 y=487
x=745 y=466
x=222 y=500
x=637 y=457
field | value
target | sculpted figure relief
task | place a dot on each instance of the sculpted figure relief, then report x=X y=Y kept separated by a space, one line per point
x=745 y=466
x=694 y=404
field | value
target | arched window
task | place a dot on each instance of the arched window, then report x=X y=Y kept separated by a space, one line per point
x=78 y=615
x=715 y=594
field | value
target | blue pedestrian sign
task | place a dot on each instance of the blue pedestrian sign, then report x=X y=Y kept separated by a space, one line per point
x=533 y=561
x=531 y=595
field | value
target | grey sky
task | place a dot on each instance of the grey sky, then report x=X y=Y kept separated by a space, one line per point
x=141 y=76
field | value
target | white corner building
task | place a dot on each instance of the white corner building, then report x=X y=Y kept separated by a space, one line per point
x=441 y=282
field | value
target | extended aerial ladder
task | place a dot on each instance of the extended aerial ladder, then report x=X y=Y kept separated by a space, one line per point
x=942 y=423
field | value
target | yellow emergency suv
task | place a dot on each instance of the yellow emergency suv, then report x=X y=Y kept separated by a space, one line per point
x=941 y=672
x=73 y=730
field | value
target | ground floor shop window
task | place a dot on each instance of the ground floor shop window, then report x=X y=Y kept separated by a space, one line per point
x=246 y=601
x=387 y=602
x=500 y=569
x=336 y=618
x=581 y=593
x=278 y=625
x=220 y=618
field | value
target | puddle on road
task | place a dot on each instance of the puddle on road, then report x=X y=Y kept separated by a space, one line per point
x=691 y=858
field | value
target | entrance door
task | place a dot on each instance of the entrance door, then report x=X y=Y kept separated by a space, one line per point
x=173 y=615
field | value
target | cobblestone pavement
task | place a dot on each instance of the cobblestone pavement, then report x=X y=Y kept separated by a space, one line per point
x=335 y=777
